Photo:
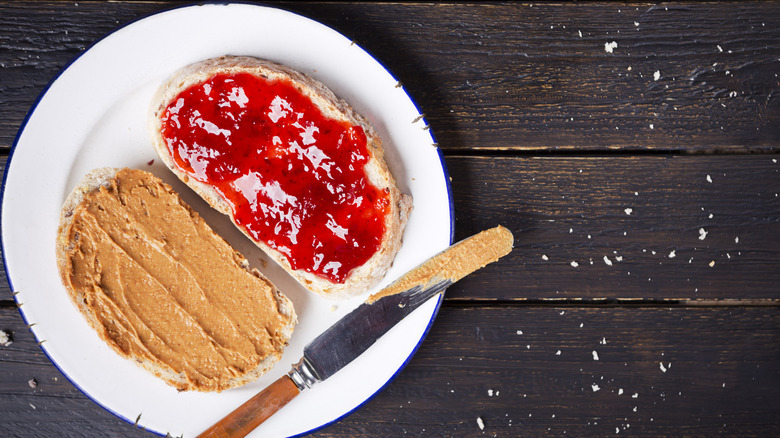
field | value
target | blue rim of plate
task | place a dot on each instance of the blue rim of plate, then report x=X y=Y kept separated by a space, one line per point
x=121 y=27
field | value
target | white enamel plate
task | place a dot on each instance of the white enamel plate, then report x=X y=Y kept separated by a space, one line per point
x=94 y=115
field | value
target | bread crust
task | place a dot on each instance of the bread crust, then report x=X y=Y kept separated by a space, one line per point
x=102 y=177
x=361 y=278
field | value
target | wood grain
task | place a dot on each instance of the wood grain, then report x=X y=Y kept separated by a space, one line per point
x=54 y=406
x=574 y=209
x=632 y=225
x=502 y=365
x=721 y=377
x=529 y=76
x=514 y=76
x=653 y=167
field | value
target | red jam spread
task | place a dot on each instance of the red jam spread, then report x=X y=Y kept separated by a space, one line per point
x=294 y=178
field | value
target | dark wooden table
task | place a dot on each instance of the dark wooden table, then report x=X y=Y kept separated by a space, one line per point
x=632 y=148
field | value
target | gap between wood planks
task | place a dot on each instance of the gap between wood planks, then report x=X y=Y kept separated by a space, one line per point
x=613 y=302
x=581 y=303
x=571 y=152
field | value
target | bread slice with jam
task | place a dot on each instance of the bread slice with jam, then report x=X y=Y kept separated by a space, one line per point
x=296 y=169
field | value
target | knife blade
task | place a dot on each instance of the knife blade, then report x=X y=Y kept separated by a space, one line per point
x=353 y=334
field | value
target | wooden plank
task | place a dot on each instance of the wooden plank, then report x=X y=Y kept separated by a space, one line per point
x=565 y=210
x=514 y=76
x=6 y=294
x=634 y=226
x=40 y=38
x=722 y=377
x=54 y=407
x=527 y=76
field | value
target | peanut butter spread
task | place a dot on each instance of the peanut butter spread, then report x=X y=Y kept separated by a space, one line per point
x=162 y=288
x=455 y=262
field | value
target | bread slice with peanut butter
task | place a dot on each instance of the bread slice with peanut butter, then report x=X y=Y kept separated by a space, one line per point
x=296 y=169
x=162 y=289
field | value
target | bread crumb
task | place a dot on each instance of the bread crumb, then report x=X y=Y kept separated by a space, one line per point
x=480 y=423
x=603 y=341
x=594 y=387
x=519 y=332
x=32 y=383
x=712 y=263
x=595 y=355
x=736 y=240
x=5 y=338
x=709 y=179
x=620 y=391
x=610 y=47
x=544 y=257
x=574 y=264
x=636 y=395
x=490 y=393
x=607 y=261
x=656 y=75
x=720 y=49
x=558 y=353
x=702 y=234
x=629 y=211
x=672 y=254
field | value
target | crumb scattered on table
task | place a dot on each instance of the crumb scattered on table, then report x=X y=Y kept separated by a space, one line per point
x=5 y=338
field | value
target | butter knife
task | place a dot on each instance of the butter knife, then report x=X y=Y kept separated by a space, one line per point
x=353 y=334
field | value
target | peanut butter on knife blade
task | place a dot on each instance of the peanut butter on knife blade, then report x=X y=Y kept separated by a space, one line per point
x=456 y=262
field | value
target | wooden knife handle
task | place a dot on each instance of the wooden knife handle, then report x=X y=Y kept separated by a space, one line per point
x=254 y=411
